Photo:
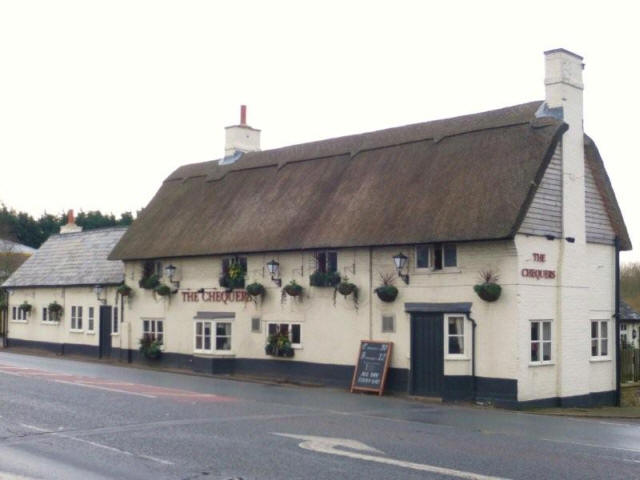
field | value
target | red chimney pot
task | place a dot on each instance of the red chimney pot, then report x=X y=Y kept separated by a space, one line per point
x=243 y=114
x=70 y=217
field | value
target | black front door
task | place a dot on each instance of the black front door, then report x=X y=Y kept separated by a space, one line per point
x=105 y=332
x=427 y=354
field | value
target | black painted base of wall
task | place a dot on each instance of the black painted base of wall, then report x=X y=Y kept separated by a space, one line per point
x=495 y=391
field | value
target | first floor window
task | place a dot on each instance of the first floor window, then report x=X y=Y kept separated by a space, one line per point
x=153 y=329
x=76 y=317
x=292 y=330
x=211 y=336
x=436 y=256
x=326 y=261
x=540 y=341
x=90 y=320
x=455 y=334
x=114 y=320
x=599 y=338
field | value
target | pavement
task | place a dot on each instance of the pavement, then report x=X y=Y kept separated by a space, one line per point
x=76 y=420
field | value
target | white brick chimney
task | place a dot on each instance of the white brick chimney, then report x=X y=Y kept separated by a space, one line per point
x=563 y=85
x=241 y=138
x=71 y=226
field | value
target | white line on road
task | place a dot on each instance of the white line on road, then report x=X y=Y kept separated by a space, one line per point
x=328 y=445
x=593 y=445
x=96 y=444
x=96 y=387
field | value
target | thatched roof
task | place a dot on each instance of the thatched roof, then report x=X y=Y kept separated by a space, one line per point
x=72 y=259
x=461 y=179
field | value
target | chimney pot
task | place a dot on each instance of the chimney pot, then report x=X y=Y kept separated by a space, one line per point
x=70 y=217
x=243 y=114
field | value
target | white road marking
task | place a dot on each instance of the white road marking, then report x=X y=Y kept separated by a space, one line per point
x=328 y=445
x=96 y=387
x=96 y=444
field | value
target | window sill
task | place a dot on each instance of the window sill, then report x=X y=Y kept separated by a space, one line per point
x=599 y=359
x=91 y=332
x=49 y=323
x=116 y=334
x=463 y=358
x=444 y=271
x=541 y=364
x=214 y=354
x=75 y=331
x=18 y=321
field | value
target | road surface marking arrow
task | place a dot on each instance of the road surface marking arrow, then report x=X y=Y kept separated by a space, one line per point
x=329 y=445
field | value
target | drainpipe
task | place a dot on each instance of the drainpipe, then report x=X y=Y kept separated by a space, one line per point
x=473 y=357
x=617 y=319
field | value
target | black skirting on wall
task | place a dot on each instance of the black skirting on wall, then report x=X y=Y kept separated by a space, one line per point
x=500 y=392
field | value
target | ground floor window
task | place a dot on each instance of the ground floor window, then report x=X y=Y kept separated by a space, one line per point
x=153 y=330
x=599 y=338
x=540 y=341
x=114 y=320
x=455 y=334
x=292 y=330
x=76 y=317
x=19 y=314
x=91 y=319
x=212 y=336
x=44 y=314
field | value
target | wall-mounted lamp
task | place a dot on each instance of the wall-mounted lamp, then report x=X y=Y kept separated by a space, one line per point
x=550 y=237
x=570 y=239
x=274 y=271
x=170 y=271
x=401 y=262
x=99 y=290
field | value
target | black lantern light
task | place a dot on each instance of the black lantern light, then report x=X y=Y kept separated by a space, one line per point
x=274 y=271
x=170 y=271
x=401 y=263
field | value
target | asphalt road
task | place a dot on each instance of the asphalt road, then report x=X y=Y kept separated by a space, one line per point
x=65 y=419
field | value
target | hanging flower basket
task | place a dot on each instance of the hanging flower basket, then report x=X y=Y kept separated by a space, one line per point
x=163 y=290
x=150 y=282
x=55 y=309
x=291 y=289
x=124 y=290
x=255 y=289
x=387 y=293
x=489 y=292
x=25 y=307
x=346 y=288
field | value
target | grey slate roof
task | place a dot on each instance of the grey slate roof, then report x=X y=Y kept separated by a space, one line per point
x=627 y=313
x=72 y=259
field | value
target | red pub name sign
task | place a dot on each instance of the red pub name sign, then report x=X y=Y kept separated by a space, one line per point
x=215 y=296
x=538 y=273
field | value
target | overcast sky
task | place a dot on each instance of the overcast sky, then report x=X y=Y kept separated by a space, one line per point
x=100 y=101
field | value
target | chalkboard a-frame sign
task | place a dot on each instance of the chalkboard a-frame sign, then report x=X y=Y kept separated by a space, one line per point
x=372 y=366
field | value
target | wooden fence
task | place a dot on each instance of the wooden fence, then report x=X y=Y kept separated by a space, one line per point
x=630 y=359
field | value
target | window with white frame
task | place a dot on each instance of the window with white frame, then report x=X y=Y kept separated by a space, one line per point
x=153 y=329
x=599 y=339
x=114 y=321
x=326 y=261
x=19 y=314
x=540 y=341
x=212 y=336
x=436 y=256
x=91 y=319
x=76 y=317
x=292 y=330
x=454 y=325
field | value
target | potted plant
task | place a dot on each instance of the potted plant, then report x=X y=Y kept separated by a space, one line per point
x=255 y=289
x=387 y=292
x=292 y=289
x=163 y=290
x=150 y=347
x=279 y=345
x=25 y=307
x=488 y=290
x=124 y=290
x=150 y=282
x=234 y=277
x=346 y=288
x=324 y=279
x=55 y=310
